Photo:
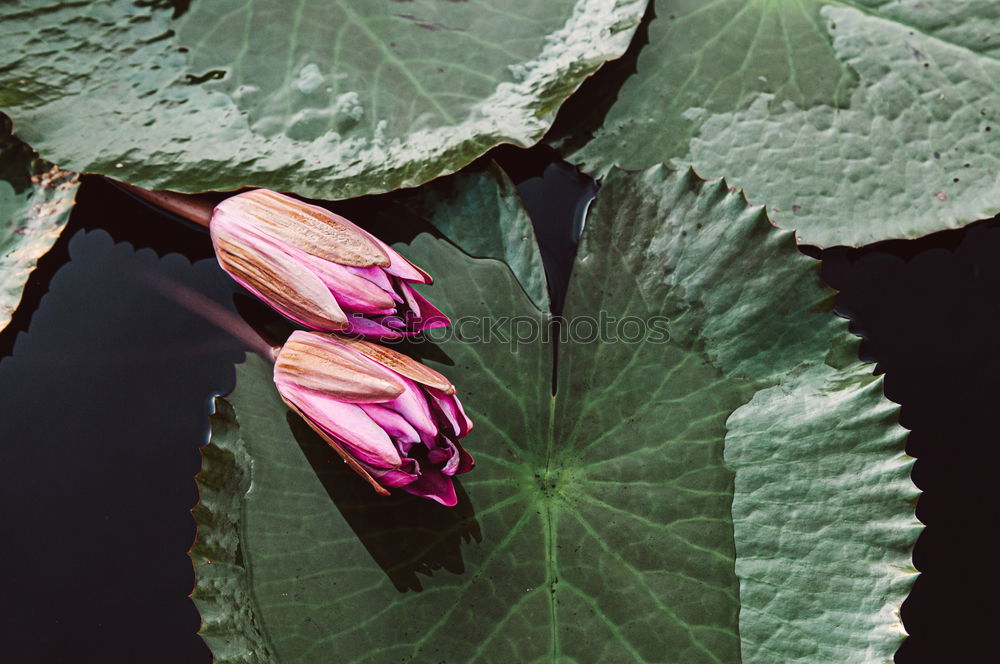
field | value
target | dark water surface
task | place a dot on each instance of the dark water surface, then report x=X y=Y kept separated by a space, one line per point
x=929 y=313
x=105 y=388
x=105 y=402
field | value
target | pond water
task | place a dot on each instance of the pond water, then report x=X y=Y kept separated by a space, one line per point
x=106 y=387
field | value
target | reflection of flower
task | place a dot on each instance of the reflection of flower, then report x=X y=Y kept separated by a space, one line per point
x=318 y=268
x=393 y=420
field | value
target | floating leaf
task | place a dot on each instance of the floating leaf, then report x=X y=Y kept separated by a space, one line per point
x=853 y=124
x=329 y=99
x=35 y=201
x=731 y=486
x=480 y=211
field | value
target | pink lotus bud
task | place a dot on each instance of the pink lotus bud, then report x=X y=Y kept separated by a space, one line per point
x=318 y=268
x=393 y=420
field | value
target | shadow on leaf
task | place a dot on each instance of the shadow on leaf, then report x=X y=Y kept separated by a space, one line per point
x=404 y=534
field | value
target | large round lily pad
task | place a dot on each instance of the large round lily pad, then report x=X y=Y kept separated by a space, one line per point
x=728 y=486
x=326 y=98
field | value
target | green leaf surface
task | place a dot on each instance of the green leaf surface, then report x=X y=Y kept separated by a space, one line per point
x=481 y=212
x=329 y=99
x=852 y=121
x=35 y=201
x=733 y=490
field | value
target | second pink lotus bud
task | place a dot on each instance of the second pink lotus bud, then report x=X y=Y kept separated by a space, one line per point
x=393 y=420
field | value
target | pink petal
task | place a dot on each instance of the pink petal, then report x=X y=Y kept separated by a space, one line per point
x=465 y=460
x=408 y=294
x=322 y=363
x=403 y=365
x=377 y=276
x=406 y=474
x=311 y=228
x=435 y=485
x=412 y=405
x=392 y=423
x=371 y=329
x=348 y=423
x=451 y=408
x=291 y=289
x=402 y=268
x=428 y=317
x=445 y=457
x=352 y=292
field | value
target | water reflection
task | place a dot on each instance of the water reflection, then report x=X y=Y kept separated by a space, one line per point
x=265 y=321
x=404 y=534
x=105 y=399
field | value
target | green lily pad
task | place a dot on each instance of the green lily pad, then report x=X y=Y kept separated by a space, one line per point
x=35 y=201
x=716 y=478
x=852 y=121
x=329 y=99
x=480 y=211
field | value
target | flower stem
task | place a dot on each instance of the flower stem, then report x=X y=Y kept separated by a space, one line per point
x=216 y=314
x=185 y=206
